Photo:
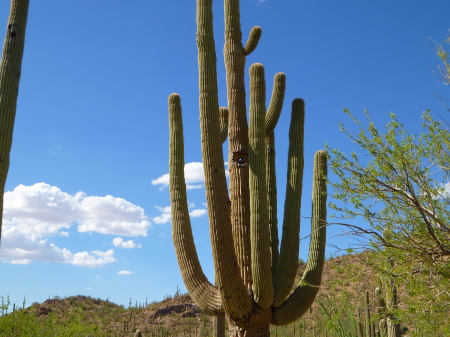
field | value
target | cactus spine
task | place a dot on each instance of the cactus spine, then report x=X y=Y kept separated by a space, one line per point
x=254 y=276
x=10 y=69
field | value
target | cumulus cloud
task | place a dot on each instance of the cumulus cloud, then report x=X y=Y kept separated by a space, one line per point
x=166 y=213
x=193 y=175
x=120 y=243
x=24 y=252
x=94 y=259
x=196 y=213
x=124 y=272
x=162 y=219
x=34 y=213
x=165 y=217
x=109 y=215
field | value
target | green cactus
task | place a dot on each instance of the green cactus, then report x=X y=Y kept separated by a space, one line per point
x=254 y=275
x=10 y=69
x=383 y=327
x=368 y=323
x=390 y=305
x=388 y=325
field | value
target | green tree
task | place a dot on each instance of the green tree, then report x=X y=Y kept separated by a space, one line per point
x=400 y=193
x=444 y=67
x=10 y=69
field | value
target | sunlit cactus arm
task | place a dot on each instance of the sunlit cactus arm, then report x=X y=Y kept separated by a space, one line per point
x=259 y=223
x=237 y=138
x=223 y=117
x=204 y=294
x=276 y=102
x=287 y=263
x=303 y=296
x=10 y=71
x=235 y=300
x=273 y=113
x=253 y=39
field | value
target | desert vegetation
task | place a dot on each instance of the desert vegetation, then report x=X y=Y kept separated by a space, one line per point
x=346 y=305
x=395 y=201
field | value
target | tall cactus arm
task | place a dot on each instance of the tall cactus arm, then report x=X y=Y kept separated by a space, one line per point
x=276 y=102
x=287 y=264
x=237 y=139
x=303 y=296
x=273 y=113
x=253 y=39
x=10 y=71
x=204 y=294
x=223 y=117
x=235 y=300
x=259 y=223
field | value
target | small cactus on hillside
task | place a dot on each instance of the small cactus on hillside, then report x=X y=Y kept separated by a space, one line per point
x=388 y=325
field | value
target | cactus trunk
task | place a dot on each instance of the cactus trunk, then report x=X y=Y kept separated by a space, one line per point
x=253 y=275
x=218 y=326
x=10 y=71
x=257 y=326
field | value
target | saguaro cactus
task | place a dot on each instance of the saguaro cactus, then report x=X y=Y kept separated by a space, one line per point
x=10 y=69
x=254 y=276
x=389 y=326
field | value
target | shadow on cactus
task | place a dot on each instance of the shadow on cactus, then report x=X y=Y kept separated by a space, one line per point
x=255 y=274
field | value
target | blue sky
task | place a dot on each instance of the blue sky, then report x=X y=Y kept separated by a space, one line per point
x=86 y=208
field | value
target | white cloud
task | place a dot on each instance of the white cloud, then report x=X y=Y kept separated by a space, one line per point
x=109 y=215
x=446 y=192
x=45 y=210
x=166 y=213
x=165 y=217
x=34 y=213
x=124 y=272
x=21 y=261
x=193 y=175
x=119 y=242
x=166 y=209
x=24 y=252
x=163 y=180
x=93 y=260
x=162 y=219
x=196 y=213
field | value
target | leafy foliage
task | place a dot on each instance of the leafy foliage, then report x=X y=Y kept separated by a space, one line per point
x=444 y=68
x=402 y=193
